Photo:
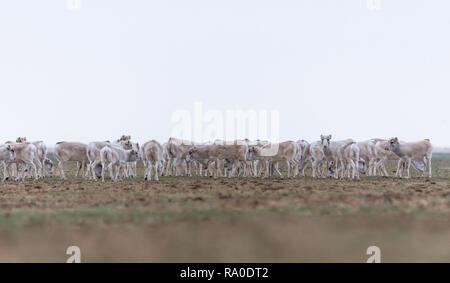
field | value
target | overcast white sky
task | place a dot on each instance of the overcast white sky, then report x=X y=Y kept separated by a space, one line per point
x=117 y=66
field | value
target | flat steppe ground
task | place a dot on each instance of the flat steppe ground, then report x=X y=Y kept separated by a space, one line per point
x=196 y=219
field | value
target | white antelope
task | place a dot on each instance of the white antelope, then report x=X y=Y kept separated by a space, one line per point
x=411 y=151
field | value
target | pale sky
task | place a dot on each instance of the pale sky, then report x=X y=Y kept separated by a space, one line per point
x=124 y=67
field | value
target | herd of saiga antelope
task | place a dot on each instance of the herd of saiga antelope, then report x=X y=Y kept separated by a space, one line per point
x=327 y=158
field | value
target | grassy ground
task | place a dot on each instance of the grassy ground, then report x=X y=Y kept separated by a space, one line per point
x=202 y=219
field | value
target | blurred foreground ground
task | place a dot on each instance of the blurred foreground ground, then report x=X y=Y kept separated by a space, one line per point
x=228 y=220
